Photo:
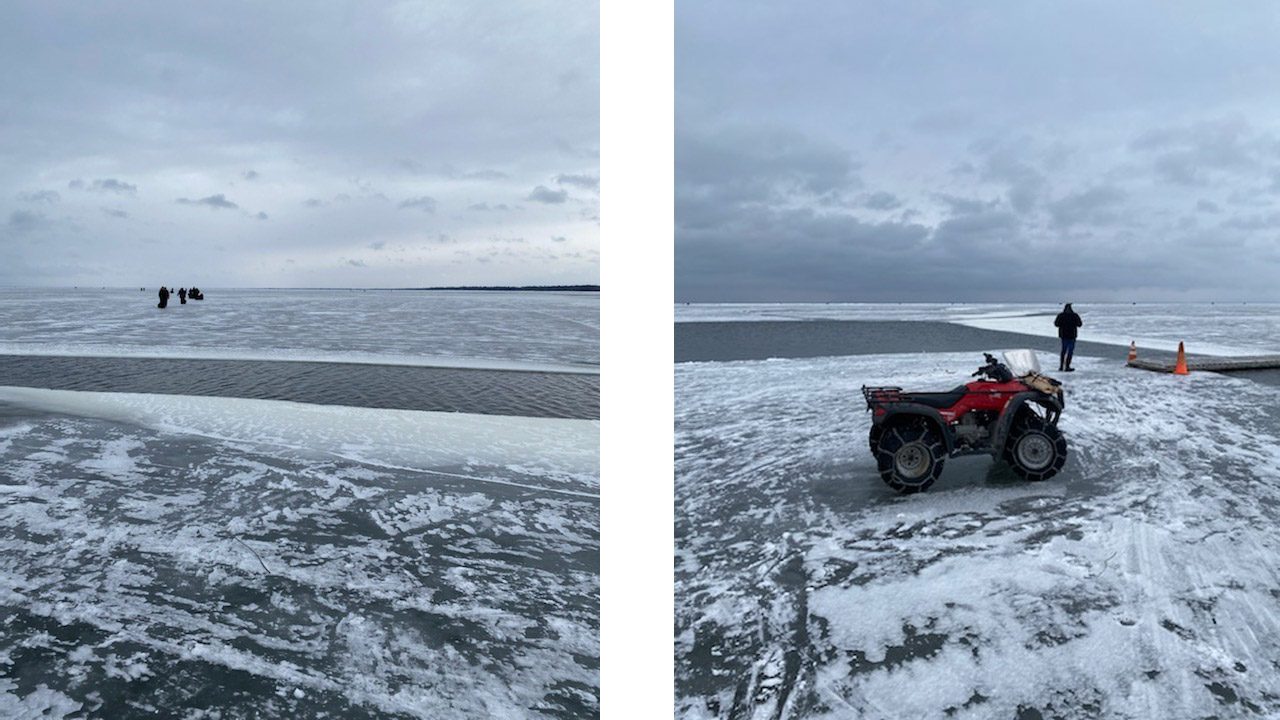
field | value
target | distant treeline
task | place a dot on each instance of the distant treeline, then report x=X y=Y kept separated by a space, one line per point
x=560 y=288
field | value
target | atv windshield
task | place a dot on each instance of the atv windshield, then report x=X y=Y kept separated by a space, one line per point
x=1021 y=362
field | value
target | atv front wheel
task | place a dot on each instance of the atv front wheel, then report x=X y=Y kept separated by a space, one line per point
x=910 y=456
x=1036 y=450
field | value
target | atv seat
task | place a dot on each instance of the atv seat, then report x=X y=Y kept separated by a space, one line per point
x=936 y=399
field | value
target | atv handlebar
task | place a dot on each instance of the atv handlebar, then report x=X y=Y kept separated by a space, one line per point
x=994 y=370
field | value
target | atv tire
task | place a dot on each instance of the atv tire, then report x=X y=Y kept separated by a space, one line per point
x=1035 y=449
x=874 y=439
x=910 y=456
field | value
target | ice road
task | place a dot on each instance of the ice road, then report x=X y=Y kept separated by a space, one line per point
x=209 y=557
x=1141 y=582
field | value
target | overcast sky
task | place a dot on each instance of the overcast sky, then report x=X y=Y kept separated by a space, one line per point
x=939 y=151
x=299 y=144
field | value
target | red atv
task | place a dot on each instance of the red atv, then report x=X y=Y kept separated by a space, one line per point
x=1011 y=418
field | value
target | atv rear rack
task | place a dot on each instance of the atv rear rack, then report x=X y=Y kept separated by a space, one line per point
x=883 y=394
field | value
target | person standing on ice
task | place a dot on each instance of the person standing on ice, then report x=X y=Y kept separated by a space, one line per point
x=1067 y=323
x=164 y=297
x=182 y=295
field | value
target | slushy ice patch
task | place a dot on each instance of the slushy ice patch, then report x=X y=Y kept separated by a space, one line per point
x=196 y=556
x=1140 y=582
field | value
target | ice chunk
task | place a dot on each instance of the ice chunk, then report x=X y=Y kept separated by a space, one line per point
x=409 y=439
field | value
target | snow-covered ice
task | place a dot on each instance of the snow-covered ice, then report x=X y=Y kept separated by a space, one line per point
x=548 y=331
x=1141 y=582
x=217 y=557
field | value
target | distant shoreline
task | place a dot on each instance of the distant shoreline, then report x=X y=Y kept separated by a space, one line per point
x=511 y=288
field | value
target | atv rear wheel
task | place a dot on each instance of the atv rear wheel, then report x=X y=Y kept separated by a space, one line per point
x=874 y=439
x=910 y=456
x=1035 y=450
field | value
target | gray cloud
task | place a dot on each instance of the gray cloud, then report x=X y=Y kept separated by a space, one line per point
x=110 y=185
x=587 y=182
x=1267 y=221
x=1097 y=206
x=447 y=170
x=966 y=206
x=880 y=201
x=982 y=231
x=546 y=195
x=40 y=196
x=24 y=221
x=1006 y=163
x=486 y=207
x=559 y=238
x=276 y=106
x=115 y=213
x=761 y=164
x=476 y=174
x=1195 y=154
x=217 y=202
x=424 y=203
x=842 y=154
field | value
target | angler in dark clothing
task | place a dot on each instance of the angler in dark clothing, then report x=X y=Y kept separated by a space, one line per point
x=164 y=297
x=1067 y=323
x=182 y=295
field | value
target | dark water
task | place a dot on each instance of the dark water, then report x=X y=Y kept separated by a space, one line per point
x=1266 y=377
x=490 y=392
x=703 y=341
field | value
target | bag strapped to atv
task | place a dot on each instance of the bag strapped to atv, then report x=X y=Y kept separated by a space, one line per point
x=1011 y=413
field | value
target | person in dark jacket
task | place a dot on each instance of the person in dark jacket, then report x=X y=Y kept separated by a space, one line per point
x=164 y=297
x=1067 y=322
x=182 y=295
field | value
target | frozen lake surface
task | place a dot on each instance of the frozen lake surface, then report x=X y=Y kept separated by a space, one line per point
x=220 y=557
x=1210 y=329
x=1141 y=582
x=192 y=528
x=549 y=331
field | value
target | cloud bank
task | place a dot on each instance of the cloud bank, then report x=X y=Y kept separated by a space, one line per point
x=274 y=145
x=1001 y=152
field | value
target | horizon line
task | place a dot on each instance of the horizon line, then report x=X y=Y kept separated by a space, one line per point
x=309 y=287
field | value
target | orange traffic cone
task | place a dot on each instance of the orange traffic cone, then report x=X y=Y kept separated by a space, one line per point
x=1133 y=352
x=1180 y=368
